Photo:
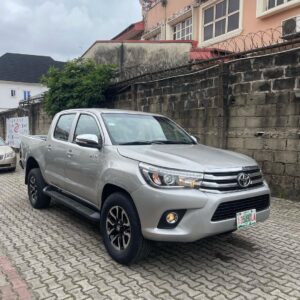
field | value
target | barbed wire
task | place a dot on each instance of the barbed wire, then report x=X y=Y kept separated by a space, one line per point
x=252 y=40
x=245 y=45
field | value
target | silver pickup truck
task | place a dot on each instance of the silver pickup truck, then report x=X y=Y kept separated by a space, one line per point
x=142 y=178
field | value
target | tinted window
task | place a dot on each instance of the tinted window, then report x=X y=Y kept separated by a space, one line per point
x=208 y=32
x=233 y=22
x=234 y=5
x=63 y=127
x=220 y=9
x=220 y=27
x=209 y=15
x=87 y=125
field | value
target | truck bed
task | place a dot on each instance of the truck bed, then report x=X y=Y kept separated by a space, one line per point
x=31 y=144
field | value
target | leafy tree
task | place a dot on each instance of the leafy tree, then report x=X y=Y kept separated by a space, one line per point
x=81 y=83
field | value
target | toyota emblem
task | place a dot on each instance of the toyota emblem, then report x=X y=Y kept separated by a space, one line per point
x=244 y=180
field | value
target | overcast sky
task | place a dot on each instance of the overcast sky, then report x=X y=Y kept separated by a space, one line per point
x=63 y=29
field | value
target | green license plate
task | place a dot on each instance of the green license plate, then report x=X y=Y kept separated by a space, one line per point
x=246 y=218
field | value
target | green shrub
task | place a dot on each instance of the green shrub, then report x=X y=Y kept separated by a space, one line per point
x=81 y=83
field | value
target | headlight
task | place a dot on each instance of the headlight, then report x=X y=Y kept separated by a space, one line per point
x=167 y=178
x=10 y=154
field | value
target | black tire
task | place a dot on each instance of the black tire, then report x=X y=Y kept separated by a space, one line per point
x=35 y=187
x=137 y=247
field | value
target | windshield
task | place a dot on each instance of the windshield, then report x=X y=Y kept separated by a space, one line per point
x=2 y=142
x=131 y=129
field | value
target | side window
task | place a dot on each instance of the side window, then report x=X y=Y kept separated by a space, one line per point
x=86 y=125
x=63 y=127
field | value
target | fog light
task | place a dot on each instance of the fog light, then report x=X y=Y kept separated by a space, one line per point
x=172 y=217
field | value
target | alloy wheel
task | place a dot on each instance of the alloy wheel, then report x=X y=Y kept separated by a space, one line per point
x=33 y=189
x=118 y=228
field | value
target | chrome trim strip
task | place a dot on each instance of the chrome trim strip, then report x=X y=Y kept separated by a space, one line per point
x=255 y=174
x=232 y=191
x=260 y=180
x=219 y=185
x=229 y=170
x=216 y=178
x=213 y=181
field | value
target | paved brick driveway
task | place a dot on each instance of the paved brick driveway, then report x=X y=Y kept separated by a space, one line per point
x=55 y=254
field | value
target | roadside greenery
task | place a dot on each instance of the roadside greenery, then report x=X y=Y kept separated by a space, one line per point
x=81 y=83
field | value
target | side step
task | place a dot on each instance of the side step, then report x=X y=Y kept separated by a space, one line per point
x=83 y=210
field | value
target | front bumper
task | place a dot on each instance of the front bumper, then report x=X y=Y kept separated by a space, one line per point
x=8 y=163
x=151 y=203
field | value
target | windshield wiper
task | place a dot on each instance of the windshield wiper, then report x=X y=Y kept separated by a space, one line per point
x=136 y=143
x=170 y=142
x=157 y=142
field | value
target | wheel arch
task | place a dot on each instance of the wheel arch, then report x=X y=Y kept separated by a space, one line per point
x=110 y=189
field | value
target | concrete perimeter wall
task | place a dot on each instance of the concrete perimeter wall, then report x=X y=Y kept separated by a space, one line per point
x=39 y=121
x=249 y=105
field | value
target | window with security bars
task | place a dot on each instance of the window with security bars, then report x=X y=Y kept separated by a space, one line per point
x=273 y=3
x=184 y=30
x=221 y=18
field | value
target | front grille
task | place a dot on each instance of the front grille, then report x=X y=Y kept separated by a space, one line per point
x=228 y=210
x=228 y=181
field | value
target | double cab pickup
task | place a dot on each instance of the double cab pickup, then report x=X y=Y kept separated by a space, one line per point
x=142 y=178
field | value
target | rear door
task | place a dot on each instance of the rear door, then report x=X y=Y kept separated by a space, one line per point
x=56 y=150
x=84 y=165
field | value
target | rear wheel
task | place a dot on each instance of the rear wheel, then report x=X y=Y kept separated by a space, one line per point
x=121 y=230
x=36 y=184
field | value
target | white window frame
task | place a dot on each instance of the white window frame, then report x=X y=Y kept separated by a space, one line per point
x=226 y=35
x=27 y=95
x=183 y=37
x=263 y=11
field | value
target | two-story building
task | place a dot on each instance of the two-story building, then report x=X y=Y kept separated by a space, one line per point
x=211 y=22
x=174 y=32
x=20 y=77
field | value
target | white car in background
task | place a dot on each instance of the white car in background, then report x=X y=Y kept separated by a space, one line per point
x=8 y=158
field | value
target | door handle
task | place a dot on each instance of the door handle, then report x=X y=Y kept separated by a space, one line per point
x=49 y=147
x=70 y=154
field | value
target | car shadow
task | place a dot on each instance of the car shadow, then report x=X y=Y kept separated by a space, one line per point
x=6 y=172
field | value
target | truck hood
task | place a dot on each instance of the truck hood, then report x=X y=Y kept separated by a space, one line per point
x=198 y=158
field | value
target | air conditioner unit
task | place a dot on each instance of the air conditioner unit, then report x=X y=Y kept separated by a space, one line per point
x=291 y=28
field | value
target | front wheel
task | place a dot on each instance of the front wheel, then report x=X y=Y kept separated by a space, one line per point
x=36 y=184
x=121 y=230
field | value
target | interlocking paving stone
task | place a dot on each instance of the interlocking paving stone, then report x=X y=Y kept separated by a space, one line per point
x=56 y=254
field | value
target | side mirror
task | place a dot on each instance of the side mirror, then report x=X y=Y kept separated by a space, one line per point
x=194 y=139
x=89 y=141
